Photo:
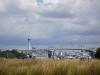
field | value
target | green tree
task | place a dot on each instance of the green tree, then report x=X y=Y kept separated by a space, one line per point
x=97 y=55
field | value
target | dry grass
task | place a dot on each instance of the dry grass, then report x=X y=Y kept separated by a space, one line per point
x=49 y=67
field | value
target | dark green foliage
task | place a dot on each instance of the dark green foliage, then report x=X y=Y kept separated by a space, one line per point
x=11 y=54
x=97 y=55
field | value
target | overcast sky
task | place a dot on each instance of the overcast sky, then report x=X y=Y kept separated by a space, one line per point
x=49 y=23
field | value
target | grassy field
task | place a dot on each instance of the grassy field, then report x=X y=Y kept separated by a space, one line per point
x=49 y=67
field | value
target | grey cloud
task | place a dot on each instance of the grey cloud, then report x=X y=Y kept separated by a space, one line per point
x=50 y=25
x=58 y=13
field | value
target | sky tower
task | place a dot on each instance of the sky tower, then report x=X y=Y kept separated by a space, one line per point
x=29 y=44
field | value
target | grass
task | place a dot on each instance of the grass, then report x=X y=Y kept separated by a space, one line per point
x=49 y=67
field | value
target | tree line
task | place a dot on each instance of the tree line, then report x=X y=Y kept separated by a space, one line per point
x=11 y=54
x=97 y=54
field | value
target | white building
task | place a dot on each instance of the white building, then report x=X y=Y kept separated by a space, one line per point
x=59 y=53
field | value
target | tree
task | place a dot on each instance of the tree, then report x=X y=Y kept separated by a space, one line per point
x=97 y=55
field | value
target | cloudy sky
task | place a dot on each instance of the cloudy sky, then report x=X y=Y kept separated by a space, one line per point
x=49 y=23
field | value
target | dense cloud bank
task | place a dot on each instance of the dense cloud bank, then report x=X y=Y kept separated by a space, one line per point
x=52 y=20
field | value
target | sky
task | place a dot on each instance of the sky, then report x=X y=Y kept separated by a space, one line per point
x=49 y=23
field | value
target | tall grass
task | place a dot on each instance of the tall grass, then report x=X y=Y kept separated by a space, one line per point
x=49 y=67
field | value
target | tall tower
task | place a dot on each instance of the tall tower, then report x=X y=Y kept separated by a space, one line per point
x=29 y=44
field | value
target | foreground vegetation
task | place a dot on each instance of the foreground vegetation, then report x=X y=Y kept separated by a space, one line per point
x=49 y=67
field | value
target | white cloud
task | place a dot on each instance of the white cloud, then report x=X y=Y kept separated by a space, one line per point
x=3 y=4
x=28 y=4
